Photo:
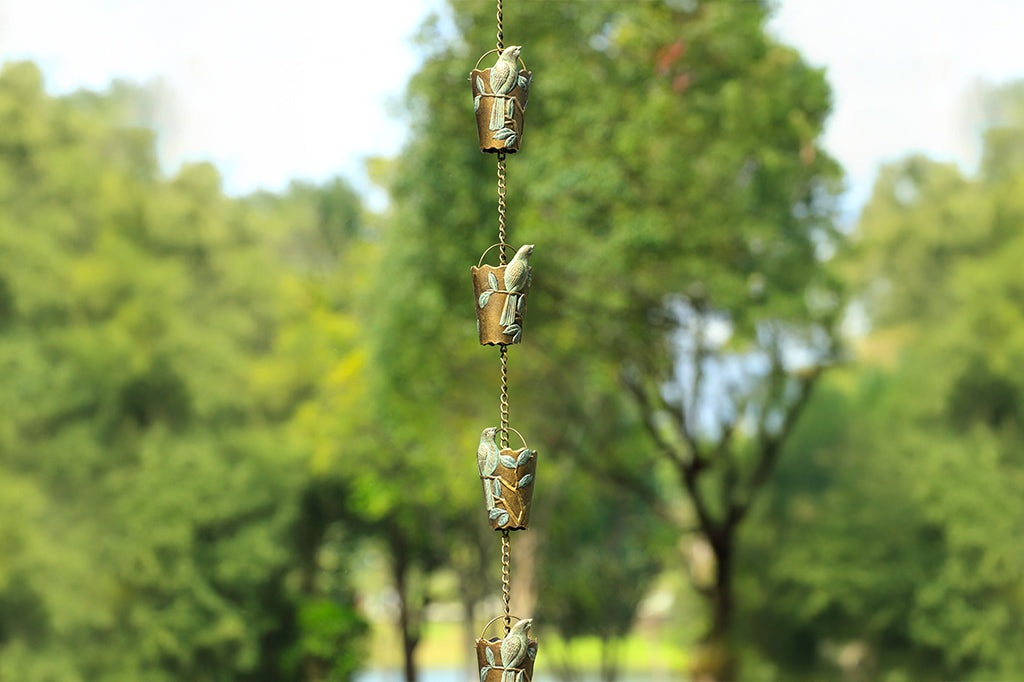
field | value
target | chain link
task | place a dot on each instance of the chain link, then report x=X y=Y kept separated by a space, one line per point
x=502 y=256
x=501 y=36
x=506 y=579
x=503 y=402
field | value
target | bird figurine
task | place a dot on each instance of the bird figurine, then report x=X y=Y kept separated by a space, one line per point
x=517 y=274
x=487 y=461
x=514 y=649
x=504 y=76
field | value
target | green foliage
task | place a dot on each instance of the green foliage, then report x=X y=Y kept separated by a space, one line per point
x=895 y=528
x=617 y=547
x=150 y=478
x=670 y=160
x=329 y=628
x=207 y=401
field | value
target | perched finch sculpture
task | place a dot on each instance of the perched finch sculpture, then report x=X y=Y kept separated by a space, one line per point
x=514 y=648
x=517 y=274
x=487 y=461
x=504 y=76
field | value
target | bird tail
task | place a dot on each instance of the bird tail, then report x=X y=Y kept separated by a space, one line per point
x=508 y=676
x=488 y=493
x=497 y=113
x=508 y=312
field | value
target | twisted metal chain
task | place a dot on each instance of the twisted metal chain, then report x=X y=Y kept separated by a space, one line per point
x=502 y=257
x=501 y=36
x=503 y=402
x=506 y=580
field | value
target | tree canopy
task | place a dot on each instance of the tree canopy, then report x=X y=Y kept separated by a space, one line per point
x=150 y=478
x=213 y=405
x=896 y=519
x=671 y=178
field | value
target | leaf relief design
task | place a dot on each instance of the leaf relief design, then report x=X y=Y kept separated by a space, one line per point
x=492 y=281
x=480 y=85
x=508 y=462
x=524 y=481
x=524 y=457
x=484 y=298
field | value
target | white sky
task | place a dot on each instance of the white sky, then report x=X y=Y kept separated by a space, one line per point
x=271 y=91
x=902 y=72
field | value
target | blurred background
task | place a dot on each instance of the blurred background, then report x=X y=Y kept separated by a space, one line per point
x=771 y=365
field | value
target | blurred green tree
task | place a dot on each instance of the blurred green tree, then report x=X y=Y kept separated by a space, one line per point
x=672 y=181
x=146 y=449
x=617 y=547
x=896 y=521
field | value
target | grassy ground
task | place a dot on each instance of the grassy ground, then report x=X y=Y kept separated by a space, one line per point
x=444 y=646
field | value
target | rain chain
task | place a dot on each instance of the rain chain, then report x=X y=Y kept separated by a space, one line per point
x=507 y=474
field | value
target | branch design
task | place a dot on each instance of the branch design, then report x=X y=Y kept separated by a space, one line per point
x=499 y=507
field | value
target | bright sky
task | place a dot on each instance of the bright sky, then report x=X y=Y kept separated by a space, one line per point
x=271 y=91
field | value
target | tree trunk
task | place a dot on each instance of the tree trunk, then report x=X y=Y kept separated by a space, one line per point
x=609 y=660
x=469 y=635
x=409 y=630
x=563 y=664
x=722 y=598
x=716 y=660
x=311 y=530
x=314 y=670
x=524 y=561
